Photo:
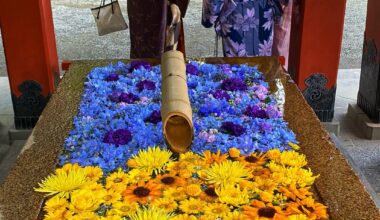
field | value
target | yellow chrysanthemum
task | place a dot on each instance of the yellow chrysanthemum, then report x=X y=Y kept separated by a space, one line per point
x=184 y=217
x=298 y=217
x=264 y=184
x=125 y=208
x=136 y=175
x=111 y=217
x=150 y=214
x=59 y=214
x=292 y=158
x=217 y=210
x=291 y=175
x=152 y=160
x=189 y=157
x=167 y=204
x=232 y=195
x=68 y=168
x=56 y=203
x=192 y=206
x=178 y=194
x=93 y=173
x=273 y=154
x=226 y=172
x=294 y=146
x=237 y=215
x=62 y=183
x=193 y=190
x=85 y=215
x=266 y=196
x=111 y=197
x=84 y=201
x=117 y=181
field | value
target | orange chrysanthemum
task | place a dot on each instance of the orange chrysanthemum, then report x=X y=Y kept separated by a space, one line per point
x=309 y=207
x=259 y=209
x=292 y=192
x=169 y=180
x=142 y=193
x=211 y=158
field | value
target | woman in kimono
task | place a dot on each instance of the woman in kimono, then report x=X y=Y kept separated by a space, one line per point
x=245 y=26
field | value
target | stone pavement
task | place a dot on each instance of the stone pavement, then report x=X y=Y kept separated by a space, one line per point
x=77 y=38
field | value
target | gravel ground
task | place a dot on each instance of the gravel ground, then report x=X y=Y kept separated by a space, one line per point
x=77 y=37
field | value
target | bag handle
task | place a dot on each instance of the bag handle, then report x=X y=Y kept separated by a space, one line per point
x=102 y=4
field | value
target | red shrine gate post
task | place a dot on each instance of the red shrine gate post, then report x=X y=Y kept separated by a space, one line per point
x=369 y=89
x=316 y=39
x=31 y=57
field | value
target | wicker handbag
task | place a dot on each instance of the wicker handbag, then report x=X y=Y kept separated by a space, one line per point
x=108 y=18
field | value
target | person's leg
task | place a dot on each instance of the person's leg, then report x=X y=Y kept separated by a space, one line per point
x=281 y=38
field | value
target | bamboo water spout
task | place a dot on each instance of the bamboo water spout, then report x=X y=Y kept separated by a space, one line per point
x=176 y=112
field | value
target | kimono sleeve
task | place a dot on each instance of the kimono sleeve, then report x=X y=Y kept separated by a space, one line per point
x=211 y=10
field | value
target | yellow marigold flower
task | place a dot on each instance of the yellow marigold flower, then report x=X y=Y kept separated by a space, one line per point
x=294 y=146
x=185 y=173
x=152 y=160
x=207 y=217
x=273 y=154
x=136 y=175
x=150 y=213
x=197 y=166
x=93 y=173
x=211 y=158
x=234 y=152
x=184 y=217
x=292 y=158
x=266 y=196
x=166 y=204
x=178 y=194
x=232 y=195
x=117 y=180
x=111 y=197
x=132 y=163
x=62 y=183
x=236 y=215
x=84 y=200
x=56 y=203
x=309 y=207
x=193 y=190
x=125 y=208
x=192 y=206
x=217 y=210
x=85 y=215
x=226 y=172
x=298 y=217
x=264 y=184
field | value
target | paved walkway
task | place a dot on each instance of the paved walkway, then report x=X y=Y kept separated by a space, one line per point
x=77 y=38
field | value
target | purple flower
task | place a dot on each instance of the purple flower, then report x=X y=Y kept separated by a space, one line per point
x=256 y=112
x=221 y=94
x=119 y=137
x=273 y=112
x=265 y=127
x=261 y=92
x=115 y=96
x=146 y=84
x=112 y=77
x=136 y=64
x=128 y=98
x=233 y=129
x=154 y=117
x=191 y=69
x=234 y=84
x=226 y=68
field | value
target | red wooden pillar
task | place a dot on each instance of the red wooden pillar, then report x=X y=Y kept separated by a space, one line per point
x=316 y=39
x=31 y=57
x=369 y=89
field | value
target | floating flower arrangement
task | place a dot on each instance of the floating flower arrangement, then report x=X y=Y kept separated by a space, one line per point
x=243 y=162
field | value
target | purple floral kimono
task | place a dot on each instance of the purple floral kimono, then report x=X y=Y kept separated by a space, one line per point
x=246 y=26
